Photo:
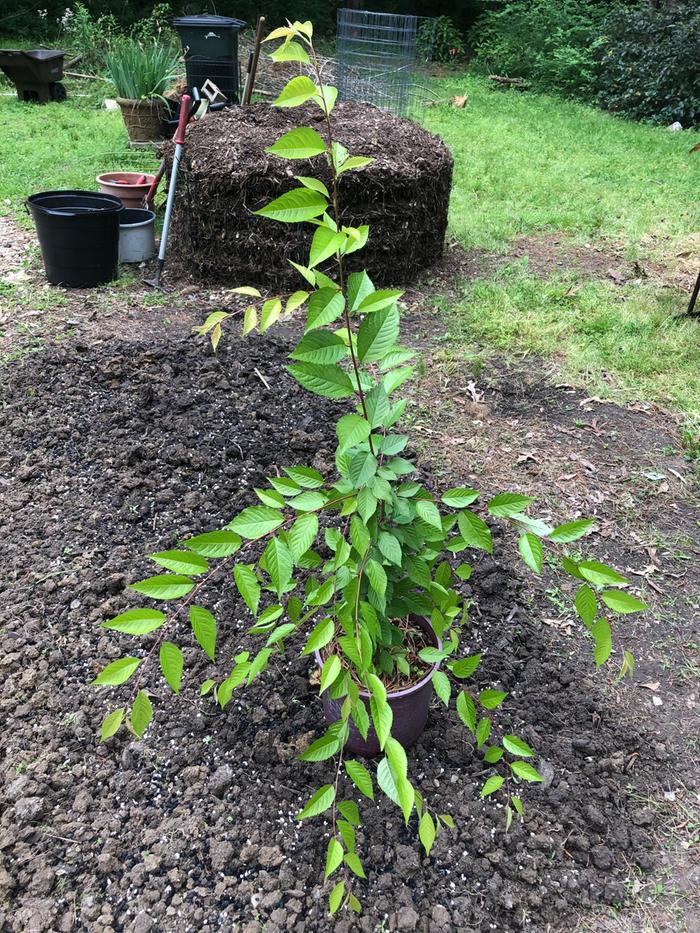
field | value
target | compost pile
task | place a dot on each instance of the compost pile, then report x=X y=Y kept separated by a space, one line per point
x=227 y=175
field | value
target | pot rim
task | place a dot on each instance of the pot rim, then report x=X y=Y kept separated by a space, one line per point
x=104 y=179
x=407 y=691
x=135 y=102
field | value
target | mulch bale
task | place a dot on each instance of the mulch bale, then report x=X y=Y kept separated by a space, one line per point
x=226 y=175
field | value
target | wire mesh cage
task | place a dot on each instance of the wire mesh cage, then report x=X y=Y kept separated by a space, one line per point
x=376 y=56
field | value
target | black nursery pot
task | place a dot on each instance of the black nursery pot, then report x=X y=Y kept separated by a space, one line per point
x=78 y=234
x=410 y=707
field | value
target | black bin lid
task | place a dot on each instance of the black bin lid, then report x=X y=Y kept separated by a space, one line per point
x=206 y=19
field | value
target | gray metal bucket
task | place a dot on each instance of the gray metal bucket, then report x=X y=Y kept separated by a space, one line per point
x=137 y=238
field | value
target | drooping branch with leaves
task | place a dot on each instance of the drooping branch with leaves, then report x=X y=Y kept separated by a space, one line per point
x=343 y=564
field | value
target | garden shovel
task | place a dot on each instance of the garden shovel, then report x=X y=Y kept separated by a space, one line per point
x=179 y=143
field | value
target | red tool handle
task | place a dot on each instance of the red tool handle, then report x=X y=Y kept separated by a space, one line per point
x=182 y=121
x=154 y=184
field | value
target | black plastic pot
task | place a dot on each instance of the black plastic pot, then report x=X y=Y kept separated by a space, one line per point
x=409 y=707
x=79 y=236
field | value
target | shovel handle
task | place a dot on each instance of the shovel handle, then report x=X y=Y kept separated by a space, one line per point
x=182 y=120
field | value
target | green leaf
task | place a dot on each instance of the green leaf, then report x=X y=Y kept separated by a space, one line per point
x=270 y=313
x=517 y=746
x=206 y=687
x=302 y=534
x=250 y=320
x=354 y=162
x=181 y=562
x=299 y=143
x=320 y=636
x=490 y=699
x=320 y=346
x=136 y=621
x=172 y=663
x=524 y=770
x=602 y=637
x=216 y=317
x=492 y=785
x=325 y=243
x=359 y=535
x=460 y=497
x=627 y=666
x=359 y=286
x=382 y=717
x=466 y=710
x=327 y=380
x=354 y=864
x=164 y=586
x=586 y=604
x=322 y=748
x=326 y=97
x=571 y=531
x=141 y=713
x=334 y=857
x=442 y=687
x=474 y=531
x=325 y=306
x=390 y=548
x=295 y=92
x=247 y=585
x=116 y=673
x=375 y=301
x=278 y=563
x=352 y=430
x=426 y=831
x=256 y=521
x=350 y=811
x=307 y=274
x=465 y=667
x=305 y=476
x=376 y=575
x=621 y=602
x=493 y=755
x=281 y=632
x=204 y=628
x=335 y=897
x=290 y=52
x=214 y=543
x=295 y=206
x=330 y=671
x=530 y=548
x=377 y=334
x=599 y=574
x=508 y=504
x=319 y=803
x=360 y=777
x=378 y=406
x=111 y=723
x=314 y=183
x=366 y=503
x=483 y=731
x=363 y=467
x=429 y=512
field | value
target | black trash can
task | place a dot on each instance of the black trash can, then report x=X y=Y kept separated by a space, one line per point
x=78 y=233
x=210 y=44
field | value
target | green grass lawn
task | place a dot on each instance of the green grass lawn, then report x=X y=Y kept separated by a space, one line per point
x=60 y=145
x=525 y=164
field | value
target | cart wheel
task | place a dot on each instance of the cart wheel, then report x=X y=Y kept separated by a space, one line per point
x=57 y=92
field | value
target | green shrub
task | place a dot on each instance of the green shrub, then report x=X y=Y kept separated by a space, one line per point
x=650 y=67
x=439 y=40
x=551 y=43
x=140 y=70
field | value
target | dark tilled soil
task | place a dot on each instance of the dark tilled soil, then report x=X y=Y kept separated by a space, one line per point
x=118 y=448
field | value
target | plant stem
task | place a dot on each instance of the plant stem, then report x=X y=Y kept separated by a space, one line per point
x=336 y=213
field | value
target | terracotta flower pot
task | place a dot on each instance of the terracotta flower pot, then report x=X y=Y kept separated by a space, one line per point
x=409 y=706
x=127 y=186
x=144 y=119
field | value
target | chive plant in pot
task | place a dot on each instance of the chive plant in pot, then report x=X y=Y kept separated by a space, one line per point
x=362 y=569
x=140 y=73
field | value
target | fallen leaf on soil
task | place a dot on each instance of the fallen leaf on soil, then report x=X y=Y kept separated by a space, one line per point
x=650 y=686
x=460 y=100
